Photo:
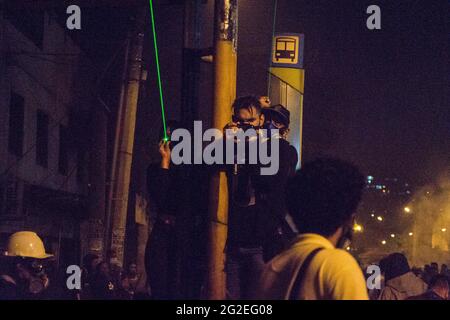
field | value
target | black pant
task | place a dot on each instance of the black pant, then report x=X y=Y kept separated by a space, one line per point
x=243 y=268
x=161 y=262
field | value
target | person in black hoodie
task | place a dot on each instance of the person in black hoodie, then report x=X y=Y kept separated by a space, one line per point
x=257 y=226
x=272 y=188
x=104 y=286
x=161 y=251
x=176 y=193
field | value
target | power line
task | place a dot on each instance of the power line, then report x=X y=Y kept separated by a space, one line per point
x=271 y=47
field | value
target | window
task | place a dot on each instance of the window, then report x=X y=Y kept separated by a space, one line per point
x=63 y=162
x=42 y=139
x=8 y=197
x=16 y=124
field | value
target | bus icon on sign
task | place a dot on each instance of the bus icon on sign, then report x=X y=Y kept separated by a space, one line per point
x=285 y=48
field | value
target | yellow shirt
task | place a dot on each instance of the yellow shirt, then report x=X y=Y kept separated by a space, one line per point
x=333 y=274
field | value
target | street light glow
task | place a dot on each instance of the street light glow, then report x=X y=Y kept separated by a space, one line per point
x=357 y=228
x=380 y=218
x=392 y=235
x=407 y=209
x=383 y=242
x=444 y=229
x=410 y=234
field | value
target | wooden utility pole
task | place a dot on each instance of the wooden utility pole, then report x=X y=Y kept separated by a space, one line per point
x=225 y=64
x=125 y=142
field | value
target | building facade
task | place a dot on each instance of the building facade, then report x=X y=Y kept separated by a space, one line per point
x=44 y=141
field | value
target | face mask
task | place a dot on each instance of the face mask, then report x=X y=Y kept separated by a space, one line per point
x=36 y=285
x=271 y=126
x=35 y=280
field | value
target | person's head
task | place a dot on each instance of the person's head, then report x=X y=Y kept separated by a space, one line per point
x=434 y=267
x=444 y=268
x=277 y=117
x=90 y=261
x=439 y=284
x=27 y=261
x=132 y=269
x=417 y=271
x=394 y=265
x=323 y=196
x=103 y=268
x=247 y=111
x=30 y=274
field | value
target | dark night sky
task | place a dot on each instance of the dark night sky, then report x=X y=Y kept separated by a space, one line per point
x=378 y=98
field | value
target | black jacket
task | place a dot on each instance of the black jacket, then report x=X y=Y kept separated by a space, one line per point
x=429 y=295
x=259 y=223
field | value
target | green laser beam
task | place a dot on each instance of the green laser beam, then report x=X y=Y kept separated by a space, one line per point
x=158 y=72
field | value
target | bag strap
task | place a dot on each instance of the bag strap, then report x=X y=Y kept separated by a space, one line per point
x=293 y=295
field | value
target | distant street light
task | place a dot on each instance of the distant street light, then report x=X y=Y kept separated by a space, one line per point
x=407 y=209
x=410 y=234
x=444 y=229
x=357 y=228
x=380 y=218
x=383 y=242
x=392 y=235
